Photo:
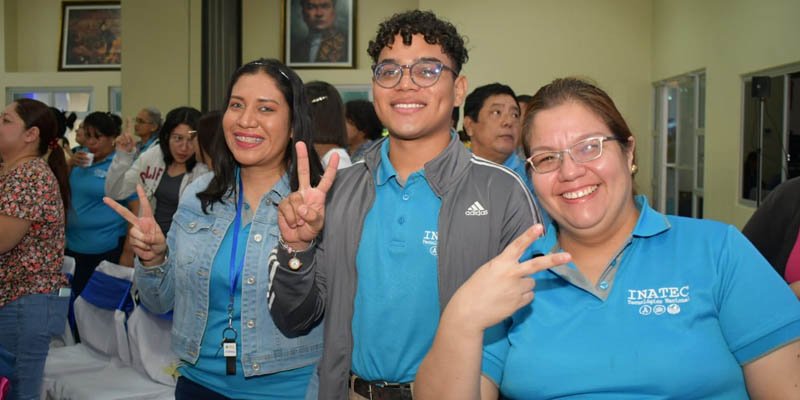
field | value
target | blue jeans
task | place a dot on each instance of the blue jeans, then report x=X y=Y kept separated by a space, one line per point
x=26 y=327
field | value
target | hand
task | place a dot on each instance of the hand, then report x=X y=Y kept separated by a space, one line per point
x=125 y=143
x=503 y=285
x=80 y=158
x=301 y=215
x=146 y=238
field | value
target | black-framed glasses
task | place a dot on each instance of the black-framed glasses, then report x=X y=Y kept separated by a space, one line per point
x=424 y=73
x=583 y=151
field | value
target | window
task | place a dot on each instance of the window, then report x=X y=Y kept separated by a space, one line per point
x=679 y=145
x=115 y=100
x=770 y=133
x=75 y=99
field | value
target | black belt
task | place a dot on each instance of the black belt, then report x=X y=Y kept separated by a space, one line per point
x=381 y=390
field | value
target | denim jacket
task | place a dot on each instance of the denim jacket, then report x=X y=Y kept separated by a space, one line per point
x=182 y=283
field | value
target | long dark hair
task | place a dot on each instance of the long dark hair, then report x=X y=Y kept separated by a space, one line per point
x=291 y=86
x=37 y=114
x=180 y=115
x=327 y=114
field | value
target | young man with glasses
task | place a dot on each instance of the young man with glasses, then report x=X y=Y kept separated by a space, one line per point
x=403 y=230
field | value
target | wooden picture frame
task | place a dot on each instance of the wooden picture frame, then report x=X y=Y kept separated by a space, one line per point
x=319 y=33
x=91 y=36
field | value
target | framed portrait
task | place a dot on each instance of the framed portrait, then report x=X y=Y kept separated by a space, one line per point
x=91 y=36
x=319 y=33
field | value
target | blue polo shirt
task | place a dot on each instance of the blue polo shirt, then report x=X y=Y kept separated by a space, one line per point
x=396 y=310
x=516 y=164
x=92 y=226
x=683 y=305
x=209 y=370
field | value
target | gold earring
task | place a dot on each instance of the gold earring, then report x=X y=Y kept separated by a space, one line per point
x=634 y=169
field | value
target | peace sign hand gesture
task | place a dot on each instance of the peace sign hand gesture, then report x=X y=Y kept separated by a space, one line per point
x=301 y=215
x=503 y=285
x=146 y=238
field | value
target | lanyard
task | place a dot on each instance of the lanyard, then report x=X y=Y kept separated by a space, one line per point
x=229 y=334
x=234 y=268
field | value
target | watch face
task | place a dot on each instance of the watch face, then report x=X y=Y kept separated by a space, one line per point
x=295 y=264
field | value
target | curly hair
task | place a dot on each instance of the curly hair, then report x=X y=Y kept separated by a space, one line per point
x=426 y=23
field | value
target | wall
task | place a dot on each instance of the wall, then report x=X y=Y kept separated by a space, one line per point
x=730 y=39
x=162 y=54
x=30 y=47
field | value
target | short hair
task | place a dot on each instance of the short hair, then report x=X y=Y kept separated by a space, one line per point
x=524 y=98
x=177 y=116
x=475 y=100
x=303 y=3
x=454 y=116
x=361 y=113
x=155 y=116
x=427 y=24
x=103 y=123
x=291 y=86
x=327 y=113
x=581 y=91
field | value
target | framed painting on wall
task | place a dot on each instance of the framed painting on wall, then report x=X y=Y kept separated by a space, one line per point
x=91 y=36
x=319 y=33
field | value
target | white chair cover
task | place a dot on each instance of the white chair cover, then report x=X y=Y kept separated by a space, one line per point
x=112 y=382
x=65 y=339
x=150 y=342
x=104 y=339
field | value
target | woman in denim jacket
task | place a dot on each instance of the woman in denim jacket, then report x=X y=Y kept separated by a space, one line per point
x=215 y=276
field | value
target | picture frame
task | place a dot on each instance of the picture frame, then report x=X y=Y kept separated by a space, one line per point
x=319 y=33
x=91 y=36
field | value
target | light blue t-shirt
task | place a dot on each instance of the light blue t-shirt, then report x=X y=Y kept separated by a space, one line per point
x=675 y=315
x=92 y=226
x=209 y=371
x=396 y=309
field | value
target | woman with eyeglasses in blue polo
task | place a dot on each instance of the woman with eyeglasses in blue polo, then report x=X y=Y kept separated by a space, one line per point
x=629 y=303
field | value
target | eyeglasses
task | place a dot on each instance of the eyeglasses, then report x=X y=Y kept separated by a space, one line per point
x=181 y=139
x=424 y=73
x=141 y=121
x=584 y=151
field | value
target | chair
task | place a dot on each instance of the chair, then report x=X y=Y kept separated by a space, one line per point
x=100 y=314
x=67 y=338
x=149 y=377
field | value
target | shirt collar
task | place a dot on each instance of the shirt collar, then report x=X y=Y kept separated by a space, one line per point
x=513 y=161
x=386 y=170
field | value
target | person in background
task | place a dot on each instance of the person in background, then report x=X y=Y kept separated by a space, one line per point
x=224 y=228
x=402 y=230
x=327 y=115
x=625 y=296
x=165 y=170
x=34 y=195
x=146 y=126
x=207 y=128
x=65 y=123
x=363 y=127
x=80 y=139
x=94 y=232
x=775 y=231
x=491 y=120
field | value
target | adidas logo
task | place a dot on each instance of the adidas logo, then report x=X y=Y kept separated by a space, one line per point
x=476 y=209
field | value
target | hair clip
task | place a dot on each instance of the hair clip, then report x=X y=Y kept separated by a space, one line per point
x=284 y=75
x=318 y=99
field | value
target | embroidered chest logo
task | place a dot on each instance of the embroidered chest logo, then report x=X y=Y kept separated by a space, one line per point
x=431 y=240
x=476 y=209
x=659 y=300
